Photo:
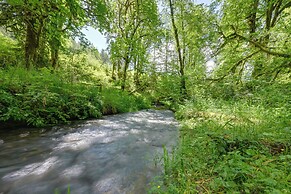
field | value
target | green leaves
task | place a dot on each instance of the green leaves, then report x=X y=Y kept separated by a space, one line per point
x=15 y=2
x=132 y=31
x=234 y=146
x=252 y=31
x=41 y=98
x=42 y=26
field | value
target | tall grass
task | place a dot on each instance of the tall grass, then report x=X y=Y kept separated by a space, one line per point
x=238 y=145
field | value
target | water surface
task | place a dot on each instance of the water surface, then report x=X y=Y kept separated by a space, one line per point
x=116 y=154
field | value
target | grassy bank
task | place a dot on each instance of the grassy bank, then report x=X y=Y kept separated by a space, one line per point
x=233 y=145
x=42 y=97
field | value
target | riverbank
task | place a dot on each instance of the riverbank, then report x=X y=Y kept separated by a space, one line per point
x=42 y=97
x=238 y=145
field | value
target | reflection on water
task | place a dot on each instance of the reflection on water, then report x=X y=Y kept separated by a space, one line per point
x=31 y=169
x=111 y=155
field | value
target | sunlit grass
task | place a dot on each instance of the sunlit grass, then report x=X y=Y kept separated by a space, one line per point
x=233 y=146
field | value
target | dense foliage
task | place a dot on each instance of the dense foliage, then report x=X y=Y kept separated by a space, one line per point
x=233 y=144
x=41 y=97
x=43 y=26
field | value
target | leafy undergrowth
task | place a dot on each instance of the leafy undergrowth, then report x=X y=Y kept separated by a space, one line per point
x=40 y=97
x=117 y=101
x=236 y=146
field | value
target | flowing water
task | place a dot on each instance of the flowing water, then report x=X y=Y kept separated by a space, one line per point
x=116 y=154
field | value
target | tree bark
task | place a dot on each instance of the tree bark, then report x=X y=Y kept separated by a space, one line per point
x=55 y=57
x=253 y=17
x=137 y=72
x=124 y=76
x=34 y=29
x=30 y=44
x=181 y=62
x=119 y=73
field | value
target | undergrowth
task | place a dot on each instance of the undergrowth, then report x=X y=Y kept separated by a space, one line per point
x=41 y=97
x=238 y=145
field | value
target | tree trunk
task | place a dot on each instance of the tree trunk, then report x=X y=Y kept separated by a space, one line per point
x=166 y=58
x=136 y=72
x=119 y=73
x=124 y=76
x=181 y=62
x=55 y=45
x=253 y=17
x=113 y=76
x=55 y=58
x=33 y=34
x=30 y=44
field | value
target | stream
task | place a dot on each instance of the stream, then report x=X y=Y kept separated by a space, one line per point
x=116 y=154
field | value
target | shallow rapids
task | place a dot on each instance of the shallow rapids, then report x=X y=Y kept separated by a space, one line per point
x=116 y=154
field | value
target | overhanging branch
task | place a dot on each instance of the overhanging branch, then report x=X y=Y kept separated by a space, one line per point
x=263 y=48
x=232 y=69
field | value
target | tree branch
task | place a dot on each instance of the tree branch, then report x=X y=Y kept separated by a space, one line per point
x=287 y=5
x=263 y=48
x=232 y=69
x=221 y=46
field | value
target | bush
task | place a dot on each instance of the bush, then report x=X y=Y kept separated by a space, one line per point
x=39 y=97
x=9 y=51
x=117 y=101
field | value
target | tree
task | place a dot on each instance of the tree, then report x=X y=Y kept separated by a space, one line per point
x=45 y=22
x=134 y=23
x=190 y=30
x=178 y=47
x=255 y=33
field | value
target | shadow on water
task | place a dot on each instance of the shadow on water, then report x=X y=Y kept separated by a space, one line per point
x=116 y=154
